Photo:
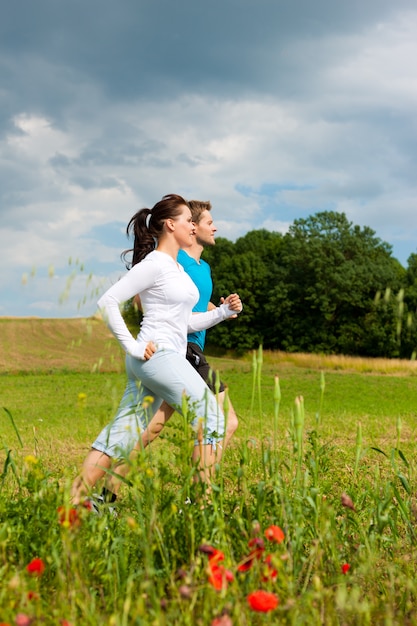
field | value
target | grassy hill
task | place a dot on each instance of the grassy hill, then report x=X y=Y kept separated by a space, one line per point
x=38 y=344
x=32 y=344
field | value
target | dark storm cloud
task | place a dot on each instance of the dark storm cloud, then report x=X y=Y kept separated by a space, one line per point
x=145 y=48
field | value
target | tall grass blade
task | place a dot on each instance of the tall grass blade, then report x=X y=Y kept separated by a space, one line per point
x=260 y=359
x=322 y=388
x=9 y=463
x=277 y=401
x=379 y=450
x=254 y=379
x=14 y=426
x=358 y=447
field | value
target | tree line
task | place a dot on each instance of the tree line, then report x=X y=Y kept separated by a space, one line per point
x=326 y=286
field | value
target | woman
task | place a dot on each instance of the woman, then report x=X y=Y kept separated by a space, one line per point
x=156 y=359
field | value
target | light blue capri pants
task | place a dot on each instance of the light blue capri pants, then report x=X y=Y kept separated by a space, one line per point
x=167 y=375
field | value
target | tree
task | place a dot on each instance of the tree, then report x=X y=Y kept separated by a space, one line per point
x=330 y=273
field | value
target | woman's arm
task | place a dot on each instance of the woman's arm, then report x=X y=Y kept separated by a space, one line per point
x=140 y=277
x=202 y=321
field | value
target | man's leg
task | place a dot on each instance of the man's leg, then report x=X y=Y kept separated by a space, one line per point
x=176 y=376
x=205 y=457
x=231 y=418
x=196 y=357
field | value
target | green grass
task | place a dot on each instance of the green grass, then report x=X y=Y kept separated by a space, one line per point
x=290 y=463
x=47 y=407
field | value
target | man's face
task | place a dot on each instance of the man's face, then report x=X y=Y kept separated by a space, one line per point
x=205 y=229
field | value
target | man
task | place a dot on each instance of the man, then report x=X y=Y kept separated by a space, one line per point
x=199 y=271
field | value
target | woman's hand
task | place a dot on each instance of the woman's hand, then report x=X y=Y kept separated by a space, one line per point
x=149 y=350
x=233 y=301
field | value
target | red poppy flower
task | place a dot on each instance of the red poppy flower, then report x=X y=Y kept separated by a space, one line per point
x=275 y=533
x=345 y=568
x=36 y=567
x=68 y=518
x=262 y=601
x=219 y=576
x=215 y=577
x=22 y=619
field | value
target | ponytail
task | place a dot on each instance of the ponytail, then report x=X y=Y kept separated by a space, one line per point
x=143 y=242
x=147 y=225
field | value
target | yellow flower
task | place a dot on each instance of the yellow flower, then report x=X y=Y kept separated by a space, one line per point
x=131 y=522
x=31 y=460
x=82 y=396
x=147 y=401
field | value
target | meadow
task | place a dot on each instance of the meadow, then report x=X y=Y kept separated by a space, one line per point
x=311 y=518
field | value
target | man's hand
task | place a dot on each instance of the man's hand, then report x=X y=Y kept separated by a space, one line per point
x=137 y=303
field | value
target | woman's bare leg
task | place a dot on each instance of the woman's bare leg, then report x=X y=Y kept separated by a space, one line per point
x=152 y=431
x=94 y=468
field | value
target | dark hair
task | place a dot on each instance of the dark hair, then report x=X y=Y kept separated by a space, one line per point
x=197 y=208
x=146 y=230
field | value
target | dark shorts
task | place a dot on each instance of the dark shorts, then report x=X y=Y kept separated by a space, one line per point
x=199 y=362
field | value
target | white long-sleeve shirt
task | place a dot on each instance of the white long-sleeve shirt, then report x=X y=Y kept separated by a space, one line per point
x=167 y=295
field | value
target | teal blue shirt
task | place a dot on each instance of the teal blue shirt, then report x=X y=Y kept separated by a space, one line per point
x=200 y=274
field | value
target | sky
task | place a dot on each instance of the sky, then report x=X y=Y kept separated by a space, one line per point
x=273 y=110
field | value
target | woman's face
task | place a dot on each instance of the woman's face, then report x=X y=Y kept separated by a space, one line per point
x=184 y=228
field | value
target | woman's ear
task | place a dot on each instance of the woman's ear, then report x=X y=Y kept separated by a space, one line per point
x=170 y=224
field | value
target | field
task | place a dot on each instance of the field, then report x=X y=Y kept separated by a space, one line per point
x=312 y=517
